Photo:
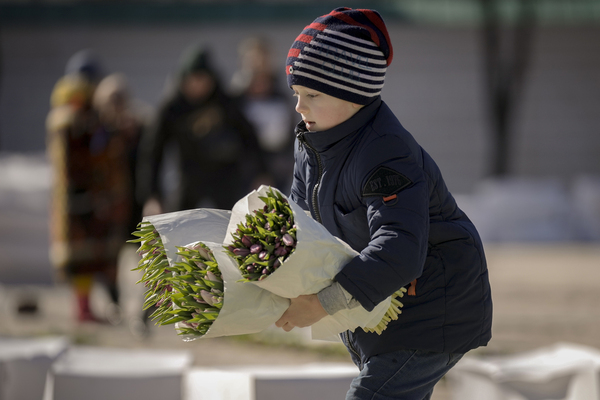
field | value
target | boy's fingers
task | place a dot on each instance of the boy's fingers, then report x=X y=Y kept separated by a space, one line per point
x=279 y=323
x=283 y=324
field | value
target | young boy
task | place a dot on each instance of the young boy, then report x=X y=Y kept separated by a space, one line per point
x=367 y=180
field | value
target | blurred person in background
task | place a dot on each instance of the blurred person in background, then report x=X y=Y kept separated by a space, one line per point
x=91 y=195
x=255 y=85
x=121 y=116
x=219 y=159
x=86 y=63
x=124 y=118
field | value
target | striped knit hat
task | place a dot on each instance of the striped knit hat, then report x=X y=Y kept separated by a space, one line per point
x=344 y=54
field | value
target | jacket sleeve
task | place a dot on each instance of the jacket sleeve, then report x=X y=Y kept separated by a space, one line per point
x=398 y=226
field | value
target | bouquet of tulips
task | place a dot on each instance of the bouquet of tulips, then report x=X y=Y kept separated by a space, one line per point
x=218 y=273
x=279 y=248
x=196 y=286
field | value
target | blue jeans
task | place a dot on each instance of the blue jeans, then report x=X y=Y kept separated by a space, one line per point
x=404 y=374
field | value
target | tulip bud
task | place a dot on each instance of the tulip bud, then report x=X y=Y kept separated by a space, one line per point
x=212 y=277
x=207 y=296
x=241 y=252
x=280 y=251
x=288 y=240
x=246 y=241
x=203 y=252
x=255 y=248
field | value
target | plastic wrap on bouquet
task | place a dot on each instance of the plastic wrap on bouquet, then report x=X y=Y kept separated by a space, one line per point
x=246 y=308
x=183 y=227
x=317 y=258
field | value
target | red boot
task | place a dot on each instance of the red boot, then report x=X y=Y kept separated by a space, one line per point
x=85 y=313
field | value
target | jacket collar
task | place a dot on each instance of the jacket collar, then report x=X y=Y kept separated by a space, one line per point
x=322 y=140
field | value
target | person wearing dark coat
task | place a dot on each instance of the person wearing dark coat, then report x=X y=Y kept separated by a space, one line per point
x=361 y=174
x=219 y=160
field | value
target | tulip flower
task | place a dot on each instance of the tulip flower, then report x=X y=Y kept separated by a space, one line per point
x=287 y=240
x=208 y=298
x=241 y=252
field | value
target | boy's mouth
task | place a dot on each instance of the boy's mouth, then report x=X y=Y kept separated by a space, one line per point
x=309 y=124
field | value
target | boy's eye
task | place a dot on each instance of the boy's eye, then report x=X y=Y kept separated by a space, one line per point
x=306 y=95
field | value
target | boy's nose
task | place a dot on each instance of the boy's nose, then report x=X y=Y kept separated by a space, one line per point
x=300 y=108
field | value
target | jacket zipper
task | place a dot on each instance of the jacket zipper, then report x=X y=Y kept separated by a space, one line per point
x=350 y=346
x=314 y=200
x=315 y=205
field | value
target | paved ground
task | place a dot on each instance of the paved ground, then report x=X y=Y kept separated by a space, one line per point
x=543 y=294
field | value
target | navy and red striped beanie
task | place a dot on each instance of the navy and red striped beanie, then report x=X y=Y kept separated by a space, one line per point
x=344 y=54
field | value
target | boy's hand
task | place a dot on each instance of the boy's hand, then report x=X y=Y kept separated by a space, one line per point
x=302 y=312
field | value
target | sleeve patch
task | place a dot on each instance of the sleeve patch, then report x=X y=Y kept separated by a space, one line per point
x=385 y=182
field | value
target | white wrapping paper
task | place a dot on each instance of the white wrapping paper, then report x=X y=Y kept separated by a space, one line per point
x=318 y=257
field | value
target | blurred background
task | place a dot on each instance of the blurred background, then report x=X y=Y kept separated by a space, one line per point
x=505 y=96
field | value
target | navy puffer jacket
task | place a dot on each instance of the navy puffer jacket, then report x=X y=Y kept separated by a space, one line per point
x=370 y=183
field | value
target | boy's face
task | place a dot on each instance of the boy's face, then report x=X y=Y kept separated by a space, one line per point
x=320 y=111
